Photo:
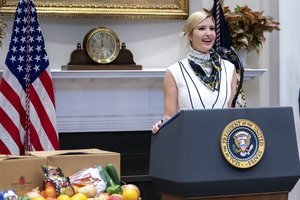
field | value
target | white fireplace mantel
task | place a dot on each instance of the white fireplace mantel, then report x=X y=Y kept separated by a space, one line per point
x=111 y=100
x=250 y=73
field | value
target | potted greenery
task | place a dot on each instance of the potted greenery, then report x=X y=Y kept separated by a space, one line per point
x=247 y=27
x=2 y=33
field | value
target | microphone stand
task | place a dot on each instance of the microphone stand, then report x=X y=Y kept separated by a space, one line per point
x=240 y=70
x=232 y=56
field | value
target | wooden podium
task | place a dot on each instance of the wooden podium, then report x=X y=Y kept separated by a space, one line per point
x=267 y=196
x=187 y=163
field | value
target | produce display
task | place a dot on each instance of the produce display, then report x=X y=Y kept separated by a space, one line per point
x=95 y=183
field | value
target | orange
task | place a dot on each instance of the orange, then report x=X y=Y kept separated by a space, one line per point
x=63 y=197
x=79 y=196
x=43 y=194
x=50 y=198
x=50 y=191
x=131 y=186
x=130 y=194
x=39 y=198
x=48 y=184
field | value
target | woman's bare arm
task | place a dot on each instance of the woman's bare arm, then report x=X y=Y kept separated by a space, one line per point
x=170 y=100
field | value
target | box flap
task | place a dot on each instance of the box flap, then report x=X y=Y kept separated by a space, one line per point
x=65 y=152
x=12 y=157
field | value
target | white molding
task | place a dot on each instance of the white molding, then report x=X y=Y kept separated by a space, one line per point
x=249 y=73
x=150 y=73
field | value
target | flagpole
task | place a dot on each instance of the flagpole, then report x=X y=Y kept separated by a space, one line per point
x=218 y=27
x=27 y=140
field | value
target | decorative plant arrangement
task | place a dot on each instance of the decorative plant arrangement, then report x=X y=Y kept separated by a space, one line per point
x=2 y=33
x=247 y=27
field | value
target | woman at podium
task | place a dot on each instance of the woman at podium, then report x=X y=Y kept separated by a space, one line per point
x=201 y=80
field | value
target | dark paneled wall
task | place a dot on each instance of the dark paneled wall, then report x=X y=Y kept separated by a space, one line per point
x=134 y=148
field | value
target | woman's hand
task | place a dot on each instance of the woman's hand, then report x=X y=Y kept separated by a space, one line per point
x=156 y=126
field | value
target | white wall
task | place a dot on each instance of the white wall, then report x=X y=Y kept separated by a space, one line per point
x=289 y=78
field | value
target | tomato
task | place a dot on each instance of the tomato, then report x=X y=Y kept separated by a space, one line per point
x=50 y=191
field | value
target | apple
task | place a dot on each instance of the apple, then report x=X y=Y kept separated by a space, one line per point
x=103 y=196
x=131 y=186
x=115 y=197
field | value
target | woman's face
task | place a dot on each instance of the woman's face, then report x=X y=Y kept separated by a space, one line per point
x=203 y=36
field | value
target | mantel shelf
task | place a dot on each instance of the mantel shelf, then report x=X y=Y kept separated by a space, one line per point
x=250 y=73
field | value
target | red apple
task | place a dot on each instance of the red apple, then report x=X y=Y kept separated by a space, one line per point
x=131 y=186
x=115 y=197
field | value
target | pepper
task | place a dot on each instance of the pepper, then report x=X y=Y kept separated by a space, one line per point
x=116 y=189
x=112 y=187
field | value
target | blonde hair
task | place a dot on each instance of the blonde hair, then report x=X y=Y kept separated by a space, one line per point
x=194 y=20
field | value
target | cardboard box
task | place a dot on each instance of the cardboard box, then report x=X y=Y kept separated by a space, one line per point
x=21 y=173
x=72 y=161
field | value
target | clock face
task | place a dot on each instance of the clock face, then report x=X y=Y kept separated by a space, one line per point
x=102 y=45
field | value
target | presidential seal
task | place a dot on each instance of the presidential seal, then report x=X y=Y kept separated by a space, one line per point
x=242 y=143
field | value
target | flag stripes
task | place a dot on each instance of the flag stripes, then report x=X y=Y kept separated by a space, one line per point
x=27 y=103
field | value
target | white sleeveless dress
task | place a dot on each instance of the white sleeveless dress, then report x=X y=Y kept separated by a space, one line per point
x=193 y=94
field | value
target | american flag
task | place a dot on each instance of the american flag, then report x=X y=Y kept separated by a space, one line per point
x=223 y=37
x=27 y=106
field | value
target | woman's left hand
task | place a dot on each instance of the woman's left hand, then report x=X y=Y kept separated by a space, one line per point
x=156 y=126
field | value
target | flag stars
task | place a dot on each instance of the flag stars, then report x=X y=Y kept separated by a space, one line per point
x=32 y=9
x=31 y=29
x=31 y=39
x=21 y=58
x=14 y=49
x=46 y=58
x=23 y=39
x=38 y=48
x=37 y=58
x=16 y=30
x=15 y=39
x=24 y=20
x=32 y=19
x=27 y=78
x=36 y=68
x=22 y=49
x=24 y=30
x=20 y=68
x=39 y=38
x=17 y=20
x=12 y=58
x=28 y=68
x=30 y=58
x=19 y=10
x=30 y=48
x=39 y=29
x=25 y=10
x=27 y=51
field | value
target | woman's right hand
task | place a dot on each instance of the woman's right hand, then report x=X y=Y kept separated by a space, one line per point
x=156 y=126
